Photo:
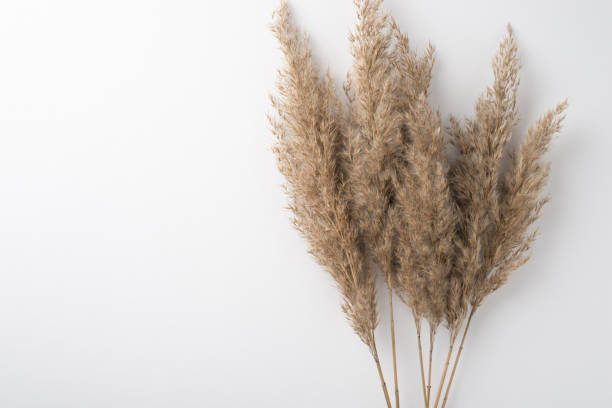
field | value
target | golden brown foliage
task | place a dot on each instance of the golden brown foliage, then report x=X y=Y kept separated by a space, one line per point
x=309 y=132
x=376 y=138
x=426 y=214
x=493 y=238
x=369 y=181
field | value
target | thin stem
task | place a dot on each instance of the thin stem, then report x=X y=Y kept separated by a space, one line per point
x=390 y=292
x=417 y=323
x=432 y=334
x=380 y=373
x=450 y=380
x=448 y=356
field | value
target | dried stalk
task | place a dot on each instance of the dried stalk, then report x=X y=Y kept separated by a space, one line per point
x=446 y=363
x=380 y=374
x=390 y=294
x=418 y=330
x=450 y=380
x=431 y=345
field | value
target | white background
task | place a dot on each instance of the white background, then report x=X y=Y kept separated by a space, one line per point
x=146 y=259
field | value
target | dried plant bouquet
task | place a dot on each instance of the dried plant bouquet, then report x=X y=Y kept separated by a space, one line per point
x=372 y=190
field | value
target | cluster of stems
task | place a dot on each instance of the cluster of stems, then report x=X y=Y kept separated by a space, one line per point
x=446 y=380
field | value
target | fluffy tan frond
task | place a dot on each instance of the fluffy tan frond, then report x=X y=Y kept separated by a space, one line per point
x=310 y=139
x=475 y=176
x=520 y=202
x=377 y=137
x=426 y=210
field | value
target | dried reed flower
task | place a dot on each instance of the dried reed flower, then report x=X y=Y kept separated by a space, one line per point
x=369 y=184
x=375 y=138
x=494 y=237
x=419 y=277
x=310 y=137
x=428 y=220
x=387 y=79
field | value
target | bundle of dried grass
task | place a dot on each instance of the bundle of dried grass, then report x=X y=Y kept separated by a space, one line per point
x=426 y=222
x=310 y=131
x=495 y=213
x=371 y=189
x=374 y=138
